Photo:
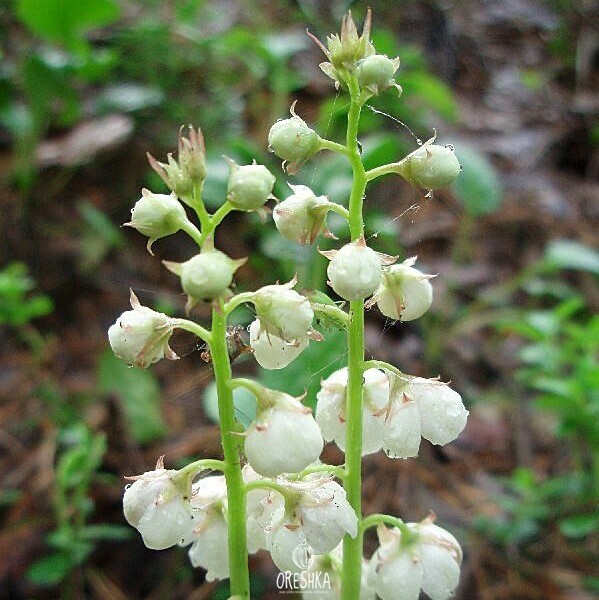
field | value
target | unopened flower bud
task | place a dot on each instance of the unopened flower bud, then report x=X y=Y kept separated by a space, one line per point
x=270 y=351
x=375 y=72
x=292 y=140
x=301 y=216
x=283 y=312
x=157 y=505
x=250 y=186
x=331 y=413
x=157 y=215
x=189 y=171
x=354 y=271
x=205 y=276
x=430 y=167
x=140 y=336
x=405 y=293
x=284 y=438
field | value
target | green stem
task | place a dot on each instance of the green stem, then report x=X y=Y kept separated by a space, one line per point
x=334 y=147
x=385 y=366
x=193 y=232
x=383 y=170
x=340 y=210
x=377 y=519
x=238 y=300
x=331 y=311
x=192 y=327
x=214 y=220
x=198 y=205
x=352 y=548
x=238 y=561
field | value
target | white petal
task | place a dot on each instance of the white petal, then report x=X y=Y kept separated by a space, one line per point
x=326 y=517
x=400 y=577
x=165 y=524
x=441 y=572
x=270 y=351
x=210 y=552
x=289 y=549
x=402 y=430
x=442 y=412
x=287 y=441
x=259 y=518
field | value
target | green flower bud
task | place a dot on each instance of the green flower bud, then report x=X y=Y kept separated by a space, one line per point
x=140 y=336
x=205 y=276
x=376 y=72
x=283 y=312
x=300 y=217
x=190 y=170
x=250 y=186
x=355 y=270
x=292 y=140
x=157 y=215
x=430 y=166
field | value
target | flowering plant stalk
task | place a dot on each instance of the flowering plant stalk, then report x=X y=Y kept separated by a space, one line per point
x=273 y=493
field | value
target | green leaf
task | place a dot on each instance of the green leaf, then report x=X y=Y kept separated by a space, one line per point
x=244 y=401
x=106 y=531
x=50 y=570
x=138 y=394
x=568 y=254
x=478 y=186
x=579 y=526
x=64 y=20
x=430 y=91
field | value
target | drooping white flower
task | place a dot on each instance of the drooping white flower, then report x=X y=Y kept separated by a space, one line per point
x=157 y=505
x=270 y=351
x=418 y=408
x=354 y=271
x=283 y=312
x=442 y=413
x=330 y=589
x=208 y=539
x=261 y=505
x=429 y=560
x=313 y=523
x=405 y=293
x=284 y=438
x=402 y=430
x=140 y=336
x=331 y=408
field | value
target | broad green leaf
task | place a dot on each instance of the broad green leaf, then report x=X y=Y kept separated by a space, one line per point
x=50 y=570
x=478 y=186
x=430 y=91
x=138 y=393
x=579 y=526
x=569 y=254
x=64 y=20
x=106 y=531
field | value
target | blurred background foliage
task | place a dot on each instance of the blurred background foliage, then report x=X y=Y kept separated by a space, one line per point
x=86 y=88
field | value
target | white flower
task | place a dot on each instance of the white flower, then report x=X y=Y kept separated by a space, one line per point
x=331 y=408
x=405 y=293
x=402 y=429
x=157 y=505
x=261 y=505
x=354 y=271
x=332 y=565
x=314 y=523
x=209 y=544
x=442 y=413
x=270 y=351
x=421 y=408
x=140 y=336
x=430 y=560
x=284 y=438
x=301 y=216
x=283 y=312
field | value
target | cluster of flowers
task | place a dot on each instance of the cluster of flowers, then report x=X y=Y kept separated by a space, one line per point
x=295 y=508
x=301 y=523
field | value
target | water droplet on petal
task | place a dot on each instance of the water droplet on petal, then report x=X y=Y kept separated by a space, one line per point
x=419 y=141
x=450 y=147
x=128 y=486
